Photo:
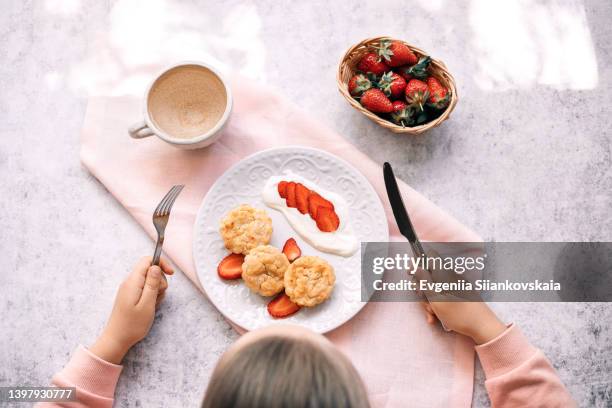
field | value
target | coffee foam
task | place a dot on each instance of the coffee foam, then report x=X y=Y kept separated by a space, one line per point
x=187 y=101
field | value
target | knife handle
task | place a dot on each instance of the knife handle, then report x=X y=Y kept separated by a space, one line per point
x=417 y=250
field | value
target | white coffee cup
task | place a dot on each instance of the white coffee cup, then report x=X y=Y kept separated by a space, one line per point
x=187 y=106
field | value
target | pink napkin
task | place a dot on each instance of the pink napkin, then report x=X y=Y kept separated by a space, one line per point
x=401 y=358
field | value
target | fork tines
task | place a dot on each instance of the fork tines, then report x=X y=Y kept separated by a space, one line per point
x=164 y=206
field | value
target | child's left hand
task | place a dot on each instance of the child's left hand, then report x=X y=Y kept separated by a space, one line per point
x=134 y=310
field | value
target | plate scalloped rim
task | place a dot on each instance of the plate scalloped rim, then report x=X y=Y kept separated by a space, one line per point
x=233 y=299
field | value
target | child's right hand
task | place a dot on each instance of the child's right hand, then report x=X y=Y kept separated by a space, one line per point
x=471 y=318
x=134 y=310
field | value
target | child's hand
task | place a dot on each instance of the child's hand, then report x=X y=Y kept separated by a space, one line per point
x=133 y=311
x=471 y=318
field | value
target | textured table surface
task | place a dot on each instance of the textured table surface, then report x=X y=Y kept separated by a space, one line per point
x=526 y=156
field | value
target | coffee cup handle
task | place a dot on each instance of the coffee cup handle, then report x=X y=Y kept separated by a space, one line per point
x=140 y=130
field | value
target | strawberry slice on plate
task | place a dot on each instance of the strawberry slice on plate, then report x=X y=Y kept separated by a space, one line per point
x=282 y=189
x=230 y=267
x=291 y=250
x=281 y=306
x=315 y=201
x=301 y=198
x=291 y=195
x=327 y=219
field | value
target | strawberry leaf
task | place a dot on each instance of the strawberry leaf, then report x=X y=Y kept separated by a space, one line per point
x=419 y=70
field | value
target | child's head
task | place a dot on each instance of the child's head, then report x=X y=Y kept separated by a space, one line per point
x=284 y=366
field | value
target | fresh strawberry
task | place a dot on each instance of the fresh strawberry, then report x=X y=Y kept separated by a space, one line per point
x=291 y=250
x=314 y=202
x=372 y=63
x=402 y=114
x=291 y=199
x=282 y=189
x=438 y=94
x=404 y=72
x=392 y=85
x=375 y=100
x=301 y=198
x=359 y=84
x=230 y=267
x=281 y=306
x=396 y=53
x=417 y=93
x=327 y=219
x=399 y=105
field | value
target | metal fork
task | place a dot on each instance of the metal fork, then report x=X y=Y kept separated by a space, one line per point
x=160 y=219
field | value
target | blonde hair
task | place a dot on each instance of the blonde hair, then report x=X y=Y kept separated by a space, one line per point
x=279 y=372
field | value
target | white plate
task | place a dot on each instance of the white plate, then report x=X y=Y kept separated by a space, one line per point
x=242 y=184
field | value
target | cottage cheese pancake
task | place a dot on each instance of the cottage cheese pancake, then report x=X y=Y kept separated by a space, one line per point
x=245 y=228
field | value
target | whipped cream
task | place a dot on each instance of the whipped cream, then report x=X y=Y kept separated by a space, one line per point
x=340 y=242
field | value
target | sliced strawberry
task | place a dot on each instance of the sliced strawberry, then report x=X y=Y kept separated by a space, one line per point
x=291 y=195
x=301 y=198
x=282 y=189
x=230 y=267
x=314 y=202
x=281 y=306
x=291 y=250
x=327 y=219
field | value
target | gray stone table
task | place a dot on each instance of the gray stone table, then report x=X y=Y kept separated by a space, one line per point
x=526 y=156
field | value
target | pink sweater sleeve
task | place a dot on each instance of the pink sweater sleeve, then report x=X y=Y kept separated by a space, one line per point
x=95 y=380
x=519 y=375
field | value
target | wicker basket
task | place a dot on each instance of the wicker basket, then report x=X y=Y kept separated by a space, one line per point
x=347 y=69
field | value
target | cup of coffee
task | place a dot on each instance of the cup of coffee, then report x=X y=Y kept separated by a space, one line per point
x=187 y=105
